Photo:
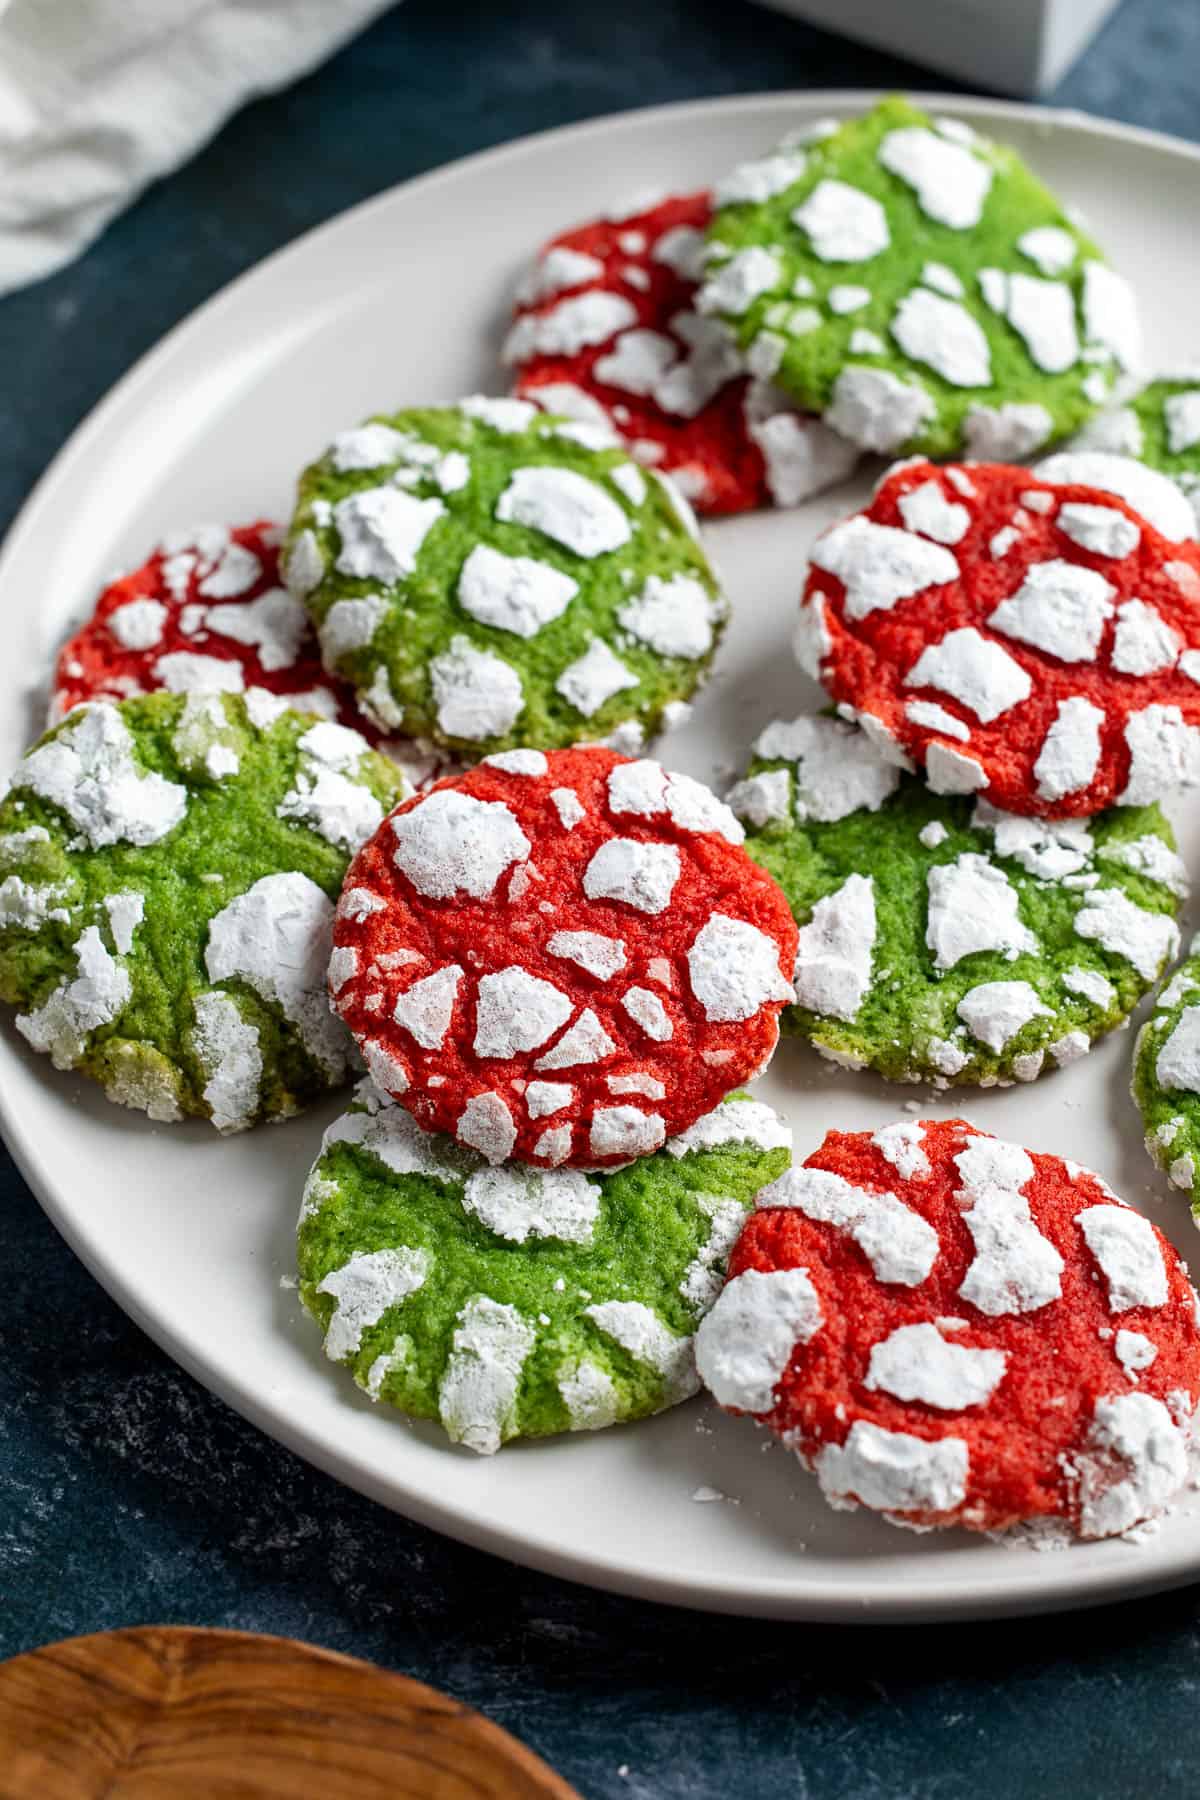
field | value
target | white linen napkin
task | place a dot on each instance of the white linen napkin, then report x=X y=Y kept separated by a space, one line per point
x=97 y=97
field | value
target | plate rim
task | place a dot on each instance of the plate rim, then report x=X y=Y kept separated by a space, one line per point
x=911 y=1599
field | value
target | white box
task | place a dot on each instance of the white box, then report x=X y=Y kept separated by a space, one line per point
x=1016 y=46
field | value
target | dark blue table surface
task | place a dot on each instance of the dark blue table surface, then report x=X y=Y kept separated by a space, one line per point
x=127 y=1493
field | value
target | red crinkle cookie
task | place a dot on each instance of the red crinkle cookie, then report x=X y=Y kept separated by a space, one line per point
x=207 y=611
x=1035 y=640
x=563 y=958
x=606 y=332
x=951 y=1330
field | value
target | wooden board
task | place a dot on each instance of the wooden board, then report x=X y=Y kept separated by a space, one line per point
x=171 y=1713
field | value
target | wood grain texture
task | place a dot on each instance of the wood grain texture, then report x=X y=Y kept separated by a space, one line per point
x=172 y=1713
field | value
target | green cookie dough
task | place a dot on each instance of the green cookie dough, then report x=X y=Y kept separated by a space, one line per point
x=1158 y=426
x=1166 y=1077
x=918 y=287
x=518 y=1302
x=168 y=873
x=489 y=576
x=940 y=938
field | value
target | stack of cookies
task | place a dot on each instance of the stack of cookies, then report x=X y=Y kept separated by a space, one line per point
x=556 y=968
x=367 y=796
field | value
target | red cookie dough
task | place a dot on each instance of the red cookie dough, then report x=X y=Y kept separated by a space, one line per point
x=563 y=958
x=606 y=332
x=1031 y=639
x=207 y=611
x=951 y=1330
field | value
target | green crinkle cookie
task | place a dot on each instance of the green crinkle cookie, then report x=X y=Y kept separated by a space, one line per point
x=488 y=576
x=940 y=938
x=519 y=1302
x=169 y=871
x=918 y=287
x=1159 y=426
x=1166 y=1077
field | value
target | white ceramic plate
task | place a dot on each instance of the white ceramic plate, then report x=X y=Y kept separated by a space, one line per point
x=401 y=301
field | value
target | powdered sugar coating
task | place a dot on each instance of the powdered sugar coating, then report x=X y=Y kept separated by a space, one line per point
x=1178 y=1062
x=228 y=1049
x=835 y=952
x=426 y=1008
x=567 y=507
x=593 y=680
x=917 y=1363
x=137 y=624
x=276 y=938
x=487 y=1125
x=601 y=956
x=1101 y=529
x=1164 y=752
x=675 y=618
x=647 y=1010
x=1060 y=608
x=327 y=794
x=747 y=1340
x=148 y=920
x=569 y=891
x=641 y=875
x=363 y=1290
x=733 y=1121
x=1041 y=312
x=973 y=670
x=452 y=843
x=1135 y=1461
x=951 y=183
x=995 y=1012
x=671 y=378
x=879 y=566
x=1143 y=642
x=737 y=283
x=893 y=1472
x=1013 y=312
x=942 y=335
x=1126 y=1246
x=878 y=410
x=516 y=1203
x=162 y=627
x=620 y=1133
x=843 y=223
x=515 y=1012
x=479 y=1387
x=470 y=586
x=973 y=906
x=837 y=769
x=733 y=968
x=896 y=1241
x=1071 y=750
x=381 y=531
x=646 y=789
x=513 y=593
x=1147 y=940
x=921 y=916
x=1068 y=620
x=89 y=771
x=991 y=1390
x=569 y=326
x=478 y=695
x=901 y=1145
x=926 y=510
x=93 y=997
x=1015 y=1269
x=640 y=1332
x=1166 y=1076
x=1148 y=493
